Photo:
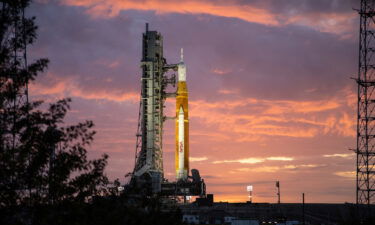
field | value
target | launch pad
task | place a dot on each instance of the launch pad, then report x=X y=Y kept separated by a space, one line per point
x=147 y=178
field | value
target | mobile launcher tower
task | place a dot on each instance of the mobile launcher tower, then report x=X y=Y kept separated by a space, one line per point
x=148 y=175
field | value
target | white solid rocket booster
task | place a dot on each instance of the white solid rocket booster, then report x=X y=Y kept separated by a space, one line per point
x=181 y=143
x=182 y=124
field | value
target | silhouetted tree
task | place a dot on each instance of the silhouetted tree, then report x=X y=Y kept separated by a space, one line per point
x=45 y=175
x=41 y=160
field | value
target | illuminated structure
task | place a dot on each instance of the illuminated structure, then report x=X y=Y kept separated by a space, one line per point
x=149 y=157
x=249 y=189
x=148 y=175
x=182 y=123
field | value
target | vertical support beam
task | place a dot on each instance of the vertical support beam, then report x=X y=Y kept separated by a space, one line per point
x=303 y=208
x=365 y=173
x=278 y=191
x=148 y=169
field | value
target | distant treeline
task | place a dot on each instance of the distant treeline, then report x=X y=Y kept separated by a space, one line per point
x=113 y=210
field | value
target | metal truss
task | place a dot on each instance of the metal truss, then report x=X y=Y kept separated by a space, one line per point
x=149 y=154
x=365 y=175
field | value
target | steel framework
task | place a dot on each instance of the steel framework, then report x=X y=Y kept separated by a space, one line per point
x=365 y=175
x=148 y=175
x=149 y=154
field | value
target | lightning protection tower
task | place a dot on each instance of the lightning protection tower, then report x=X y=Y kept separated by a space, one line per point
x=365 y=175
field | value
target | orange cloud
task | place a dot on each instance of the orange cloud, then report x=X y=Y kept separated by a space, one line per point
x=339 y=23
x=111 y=8
x=197 y=159
x=349 y=155
x=63 y=87
x=250 y=119
x=220 y=71
x=303 y=166
x=329 y=22
x=256 y=160
x=274 y=169
x=280 y=158
x=246 y=160
x=347 y=174
x=300 y=107
x=263 y=169
x=227 y=92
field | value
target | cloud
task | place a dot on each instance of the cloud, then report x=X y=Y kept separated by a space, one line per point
x=280 y=158
x=303 y=166
x=227 y=92
x=68 y=86
x=324 y=21
x=340 y=155
x=255 y=160
x=197 y=159
x=347 y=174
x=111 y=8
x=245 y=160
x=250 y=119
x=274 y=169
x=219 y=71
x=263 y=169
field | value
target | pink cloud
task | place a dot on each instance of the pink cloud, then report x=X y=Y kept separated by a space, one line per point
x=251 y=119
x=67 y=86
x=331 y=22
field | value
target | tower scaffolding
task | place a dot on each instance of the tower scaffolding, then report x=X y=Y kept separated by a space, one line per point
x=147 y=178
x=365 y=151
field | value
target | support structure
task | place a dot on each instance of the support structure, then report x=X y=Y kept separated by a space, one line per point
x=365 y=174
x=149 y=154
x=148 y=175
x=278 y=191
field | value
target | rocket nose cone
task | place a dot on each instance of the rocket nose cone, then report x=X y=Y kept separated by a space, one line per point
x=181 y=110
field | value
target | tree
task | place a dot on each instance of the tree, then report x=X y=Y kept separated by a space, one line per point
x=41 y=160
x=45 y=175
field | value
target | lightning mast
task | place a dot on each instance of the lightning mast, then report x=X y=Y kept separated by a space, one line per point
x=365 y=174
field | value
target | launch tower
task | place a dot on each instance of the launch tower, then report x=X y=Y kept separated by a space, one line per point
x=149 y=156
x=148 y=175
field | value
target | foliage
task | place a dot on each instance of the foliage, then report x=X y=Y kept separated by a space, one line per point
x=41 y=161
x=45 y=174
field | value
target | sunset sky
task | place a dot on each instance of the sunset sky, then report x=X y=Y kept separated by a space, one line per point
x=269 y=87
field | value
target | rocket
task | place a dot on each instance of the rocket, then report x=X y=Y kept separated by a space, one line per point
x=182 y=123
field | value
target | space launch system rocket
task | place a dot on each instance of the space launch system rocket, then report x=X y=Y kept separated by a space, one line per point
x=182 y=123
